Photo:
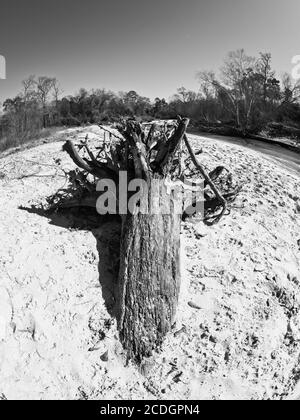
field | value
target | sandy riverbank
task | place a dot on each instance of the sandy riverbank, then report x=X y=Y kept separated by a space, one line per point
x=244 y=274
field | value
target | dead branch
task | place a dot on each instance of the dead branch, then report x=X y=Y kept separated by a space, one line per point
x=99 y=170
x=168 y=148
x=206 y=177
x=110 y=132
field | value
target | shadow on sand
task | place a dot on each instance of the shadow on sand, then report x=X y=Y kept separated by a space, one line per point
x=107 y=232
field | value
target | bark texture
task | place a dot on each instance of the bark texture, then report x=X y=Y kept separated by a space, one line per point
x=149 y=278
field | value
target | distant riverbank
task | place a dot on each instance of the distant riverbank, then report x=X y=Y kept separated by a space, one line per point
x=275 y=152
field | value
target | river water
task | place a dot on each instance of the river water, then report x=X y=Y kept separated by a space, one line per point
x=286 y=158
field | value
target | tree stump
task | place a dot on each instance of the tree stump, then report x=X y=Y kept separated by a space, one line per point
x=149 y=278
x=149 y=274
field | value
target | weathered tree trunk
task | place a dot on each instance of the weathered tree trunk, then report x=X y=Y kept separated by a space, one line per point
x=149 y=274
x=149 y=277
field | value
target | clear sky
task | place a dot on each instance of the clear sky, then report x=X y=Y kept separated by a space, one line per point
x=152 y=46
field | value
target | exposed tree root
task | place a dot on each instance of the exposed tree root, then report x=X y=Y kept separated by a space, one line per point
x=149 y=273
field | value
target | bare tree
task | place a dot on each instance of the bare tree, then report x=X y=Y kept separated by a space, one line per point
x=239 y=88
x=28 y=93
x=29 y=86
x=229 y=99
x=291 y=89
x=44 y=87
x=57 y=90
x=265 y=69
x=235 y=66
x=184 y=95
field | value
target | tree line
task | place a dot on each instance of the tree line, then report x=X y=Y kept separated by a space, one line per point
x=246 y=96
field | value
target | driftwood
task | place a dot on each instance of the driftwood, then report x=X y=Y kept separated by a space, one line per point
x=149 y=274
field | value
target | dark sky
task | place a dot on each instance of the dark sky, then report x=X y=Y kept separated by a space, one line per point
x=150 y=46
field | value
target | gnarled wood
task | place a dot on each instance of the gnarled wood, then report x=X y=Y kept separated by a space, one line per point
x=149 y=277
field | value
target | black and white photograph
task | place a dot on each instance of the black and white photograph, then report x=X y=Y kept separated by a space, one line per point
x=149 y=203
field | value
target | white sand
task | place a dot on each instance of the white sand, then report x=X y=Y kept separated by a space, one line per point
x=244 y=274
